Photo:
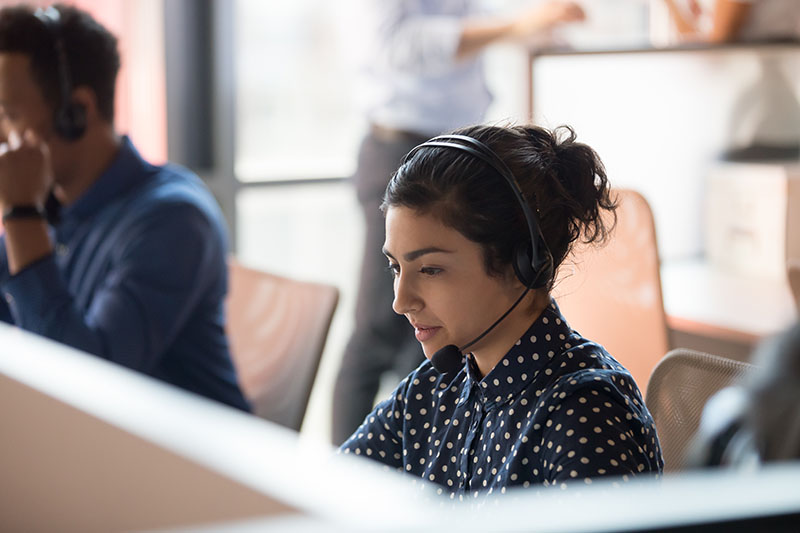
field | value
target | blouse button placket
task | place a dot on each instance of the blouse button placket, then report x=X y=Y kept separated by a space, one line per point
x=467 y=458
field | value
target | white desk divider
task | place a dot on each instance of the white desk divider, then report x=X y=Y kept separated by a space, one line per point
x=86 y=445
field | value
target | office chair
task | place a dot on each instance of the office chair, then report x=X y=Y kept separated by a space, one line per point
x=677 y=392
x=277 y=329
x=611 y=293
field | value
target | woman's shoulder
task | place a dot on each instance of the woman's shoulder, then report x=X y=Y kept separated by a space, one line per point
x=587 y=366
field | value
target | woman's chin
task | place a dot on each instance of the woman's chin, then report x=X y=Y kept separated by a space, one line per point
x=428 y=352
x=430 y=349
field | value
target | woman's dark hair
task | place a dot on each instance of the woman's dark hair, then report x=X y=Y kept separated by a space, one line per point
x=90 y=49
x=562 y=180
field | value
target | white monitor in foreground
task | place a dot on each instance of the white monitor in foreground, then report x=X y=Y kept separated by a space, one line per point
x=87 y=445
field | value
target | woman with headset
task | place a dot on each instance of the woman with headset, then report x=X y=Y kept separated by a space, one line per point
x=477 y=224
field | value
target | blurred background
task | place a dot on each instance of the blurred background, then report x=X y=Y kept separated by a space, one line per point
x=260 y=97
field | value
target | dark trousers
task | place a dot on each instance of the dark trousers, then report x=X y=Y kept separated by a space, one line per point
x=382 y=340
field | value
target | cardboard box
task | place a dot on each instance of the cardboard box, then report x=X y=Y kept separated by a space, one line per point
x=753 y=217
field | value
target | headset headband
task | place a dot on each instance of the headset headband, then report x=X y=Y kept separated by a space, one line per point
x=539 y=258
x=51 y=18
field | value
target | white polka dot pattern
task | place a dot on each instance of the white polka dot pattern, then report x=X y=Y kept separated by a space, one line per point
x=558 y=409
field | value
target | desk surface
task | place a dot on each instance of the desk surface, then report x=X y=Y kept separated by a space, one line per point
x=704 y=300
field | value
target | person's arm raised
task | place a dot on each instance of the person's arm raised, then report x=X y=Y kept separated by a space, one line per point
x=729 y=15
x=727 y=18
x=478 y=33
x=25 y=179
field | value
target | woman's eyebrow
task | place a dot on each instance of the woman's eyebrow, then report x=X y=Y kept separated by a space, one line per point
x=416 y=254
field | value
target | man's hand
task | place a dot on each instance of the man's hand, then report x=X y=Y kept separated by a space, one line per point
x=26 y=175
x=544 y=17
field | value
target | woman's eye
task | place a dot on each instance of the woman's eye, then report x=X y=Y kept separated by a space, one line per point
x=430 y=271
x=393 y=269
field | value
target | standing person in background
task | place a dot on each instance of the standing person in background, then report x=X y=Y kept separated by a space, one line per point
x=133 y=269
x=722 y=21
x=425 y=77
x=765 y=119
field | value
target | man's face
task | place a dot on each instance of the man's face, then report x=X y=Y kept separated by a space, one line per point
x=23 y=106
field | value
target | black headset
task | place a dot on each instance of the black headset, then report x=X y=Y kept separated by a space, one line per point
x=69 y=120
x=532 y=261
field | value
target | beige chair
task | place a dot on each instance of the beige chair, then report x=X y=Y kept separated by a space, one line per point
x=678 y=390
x=277 y=328
x=611 y=294
x=793 y=273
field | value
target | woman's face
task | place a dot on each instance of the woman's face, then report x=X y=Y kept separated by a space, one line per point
x=441 y=285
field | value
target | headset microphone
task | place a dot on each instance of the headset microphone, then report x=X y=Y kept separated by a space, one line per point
x=449 y=359
x=532 y=261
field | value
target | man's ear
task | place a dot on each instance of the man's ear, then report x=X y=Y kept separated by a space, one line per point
x=85 y=97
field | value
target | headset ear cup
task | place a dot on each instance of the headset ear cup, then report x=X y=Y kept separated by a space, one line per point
x=533 y=276
x=523 y=265
x=70 y=121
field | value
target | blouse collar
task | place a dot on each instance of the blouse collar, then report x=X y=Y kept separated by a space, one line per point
x=548 y=336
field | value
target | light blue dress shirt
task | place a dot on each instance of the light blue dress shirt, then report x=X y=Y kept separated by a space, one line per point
x=413 y=81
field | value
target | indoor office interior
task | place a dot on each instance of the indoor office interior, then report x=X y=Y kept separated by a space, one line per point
x=261 y=99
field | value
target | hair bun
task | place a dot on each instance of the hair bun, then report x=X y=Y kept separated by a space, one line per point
x=581 y=178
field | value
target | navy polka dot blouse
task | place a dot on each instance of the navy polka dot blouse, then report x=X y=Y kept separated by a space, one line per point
x=556 y=409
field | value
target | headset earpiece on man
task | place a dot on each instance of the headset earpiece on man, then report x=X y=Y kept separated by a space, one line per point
x=69 y=120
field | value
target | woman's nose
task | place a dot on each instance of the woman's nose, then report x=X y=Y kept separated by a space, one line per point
x=405 y=297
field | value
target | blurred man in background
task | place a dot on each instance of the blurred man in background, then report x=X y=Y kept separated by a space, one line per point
x=757 y=421
x=102 y=251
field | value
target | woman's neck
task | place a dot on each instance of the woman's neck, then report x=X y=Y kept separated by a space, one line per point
x=491 y=350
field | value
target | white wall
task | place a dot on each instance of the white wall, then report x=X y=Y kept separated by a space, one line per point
x=659 y=121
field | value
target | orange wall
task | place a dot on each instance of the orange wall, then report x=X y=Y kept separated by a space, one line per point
x=141 y=107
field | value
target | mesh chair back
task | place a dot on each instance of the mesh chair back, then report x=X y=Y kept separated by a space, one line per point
x=678 y=390
x=277 y=329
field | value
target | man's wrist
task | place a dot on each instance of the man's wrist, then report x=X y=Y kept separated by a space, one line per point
x=27 y=211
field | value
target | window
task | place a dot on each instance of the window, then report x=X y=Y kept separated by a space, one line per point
x=296 y=115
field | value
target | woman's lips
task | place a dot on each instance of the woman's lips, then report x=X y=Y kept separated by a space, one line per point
x=423 y=333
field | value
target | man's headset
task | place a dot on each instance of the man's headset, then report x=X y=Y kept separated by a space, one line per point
x=532 y=260
x=69 y=120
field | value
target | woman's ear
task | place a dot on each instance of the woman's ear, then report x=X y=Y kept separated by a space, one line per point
x=511 y=280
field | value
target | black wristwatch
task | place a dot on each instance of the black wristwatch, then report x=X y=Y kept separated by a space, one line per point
x=23 y=211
